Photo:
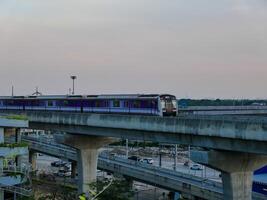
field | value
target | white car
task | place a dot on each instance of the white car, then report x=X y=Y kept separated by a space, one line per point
x=196 y=167
x=147 y=160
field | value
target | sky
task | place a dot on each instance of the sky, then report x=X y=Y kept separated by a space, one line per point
x=189 y=48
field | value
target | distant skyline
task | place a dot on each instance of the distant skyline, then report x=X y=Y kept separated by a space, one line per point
x=189 y=48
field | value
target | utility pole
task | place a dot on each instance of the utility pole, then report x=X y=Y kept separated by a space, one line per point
x=73 y=79
x=12 y=93
x=127 y=148
x=175 y=158
x=189 y=158
x=160 y=156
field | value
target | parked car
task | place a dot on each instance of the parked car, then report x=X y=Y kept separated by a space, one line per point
x=62 y=173
x=67 y=166
x=147 y=160
x=135 y=158
x=59 y=163
x=196 y=167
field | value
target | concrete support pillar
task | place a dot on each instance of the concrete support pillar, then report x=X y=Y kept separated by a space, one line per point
x=1 y=161
x=237 y=185
x=18 y=140
x=237 y=170
x=87 y=168
x=32 y=159
x=1 y=173
x=17 y=135
x=73 y=169
x=18 y=161
x=2 y=195
x=130 y=182
x=87 y=149
x=2 y=135
x=1 y=141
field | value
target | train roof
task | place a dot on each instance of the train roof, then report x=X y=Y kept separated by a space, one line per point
x=101 y=96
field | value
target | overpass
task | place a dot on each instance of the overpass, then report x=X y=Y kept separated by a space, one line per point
x=246 y=136
x=188 y=185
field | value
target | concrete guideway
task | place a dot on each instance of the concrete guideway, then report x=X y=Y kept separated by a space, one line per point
x=168 y=179
x=242 y=135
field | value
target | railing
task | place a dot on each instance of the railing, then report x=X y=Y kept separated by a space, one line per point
x=12 y=168
x=15 y=189
x=22 y=190
x=52 y=148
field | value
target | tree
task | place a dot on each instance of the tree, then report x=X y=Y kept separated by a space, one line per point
x=118 y=190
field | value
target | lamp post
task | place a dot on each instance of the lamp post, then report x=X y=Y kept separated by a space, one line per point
x=73 y=79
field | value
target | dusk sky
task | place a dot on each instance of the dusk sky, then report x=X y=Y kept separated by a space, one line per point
x=189 y=48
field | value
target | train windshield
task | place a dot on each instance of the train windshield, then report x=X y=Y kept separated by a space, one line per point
x=168 y=104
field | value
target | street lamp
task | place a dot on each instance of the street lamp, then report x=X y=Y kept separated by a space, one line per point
x=73 y=79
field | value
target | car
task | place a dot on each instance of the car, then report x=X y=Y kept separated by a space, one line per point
x=147 y=160
x=67 y=166
x=135 y=158
x=196 y=167
x=59 y=163
x=113 y=155
x=62 y=173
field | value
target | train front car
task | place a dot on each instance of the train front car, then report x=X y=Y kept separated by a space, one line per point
x=168 y=105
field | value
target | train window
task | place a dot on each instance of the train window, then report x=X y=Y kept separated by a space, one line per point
x=97 y=104
x=10 y=103
x=34 y=103
x=65 y=103
x=126 y=104
x=136 y=104
x=50 y=103
x=116 y=103
x=106 y=104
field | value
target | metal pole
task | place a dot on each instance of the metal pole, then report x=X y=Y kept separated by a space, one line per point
x=73 y=79
x=160 y=156
x=189 y=159
x=160 y=159
x=73 y=86
x=127 y=148
x=175 y=158
x=189 y=153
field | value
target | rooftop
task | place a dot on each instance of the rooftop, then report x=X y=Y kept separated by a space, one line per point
x=14 y=121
